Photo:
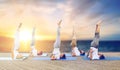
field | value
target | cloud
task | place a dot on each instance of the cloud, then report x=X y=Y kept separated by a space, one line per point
x=105 y=7
x=93 y=9
x=115 y=36
x=4 y=1
x=80 y=7
x=46 y=13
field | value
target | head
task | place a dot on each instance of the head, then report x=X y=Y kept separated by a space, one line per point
x=62 y=56
x=101 y=56
x=39 y=53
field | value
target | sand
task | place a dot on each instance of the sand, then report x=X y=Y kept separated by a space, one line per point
x=78 y=64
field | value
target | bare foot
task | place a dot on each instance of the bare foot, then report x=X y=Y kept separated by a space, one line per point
x=98 y=26
x=99 y=22
x=39 y=53
x=20 y=25
x=59 y=22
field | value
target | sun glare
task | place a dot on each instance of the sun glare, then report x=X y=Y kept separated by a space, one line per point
x=25 y=35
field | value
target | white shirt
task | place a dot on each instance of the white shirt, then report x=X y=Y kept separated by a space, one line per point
x=56 y=52
x=94 y=53
x=15 y=53
x=34 y=51
x=76 y=51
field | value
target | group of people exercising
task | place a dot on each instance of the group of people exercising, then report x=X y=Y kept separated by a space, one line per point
x=56 y=54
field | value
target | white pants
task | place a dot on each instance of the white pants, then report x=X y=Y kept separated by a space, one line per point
x=16 y=41
x=16 y=45
x=58 y=41
x=56 y=50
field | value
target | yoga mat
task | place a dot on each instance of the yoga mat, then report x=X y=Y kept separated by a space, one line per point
x=44 y=54
x=70 y=58
x=9 y=58
x=70 y=55
x=106 y=58
x=48 y=58
x=41 y=58
x=27 y=54
x=5 y=58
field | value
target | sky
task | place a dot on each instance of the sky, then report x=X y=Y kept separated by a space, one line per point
x=45 y=14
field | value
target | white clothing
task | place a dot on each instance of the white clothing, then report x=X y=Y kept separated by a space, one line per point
x=16 y=45
x=34 y=52
x=56 y=50
x=94 y=53
x=58 y=41
x=95 y=43
x=15 y=53
x=33 y=37
x=76 y=51
x=16 y=41
x=56 y=53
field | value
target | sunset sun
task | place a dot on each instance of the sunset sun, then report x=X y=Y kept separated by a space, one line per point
x=25 y=35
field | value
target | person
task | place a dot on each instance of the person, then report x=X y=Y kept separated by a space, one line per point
x=33 y=51
x=75 y=50
x=62 y=56
x=56 y=54
x=15 y=52
x=93 y=52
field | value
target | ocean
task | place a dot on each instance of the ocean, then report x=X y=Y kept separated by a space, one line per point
x=104 y=46
x=47 y=46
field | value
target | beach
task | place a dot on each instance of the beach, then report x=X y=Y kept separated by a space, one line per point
x=78 y=64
